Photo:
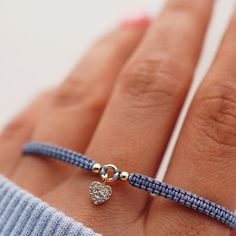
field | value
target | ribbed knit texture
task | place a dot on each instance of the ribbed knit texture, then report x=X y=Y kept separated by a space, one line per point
x=23 y=214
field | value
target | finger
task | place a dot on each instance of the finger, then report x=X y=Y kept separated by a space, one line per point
x=233 y=233
x=78 y=105
x=17 y=132
x=139 y=118
x=204 y=160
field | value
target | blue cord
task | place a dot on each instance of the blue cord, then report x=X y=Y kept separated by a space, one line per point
x=185 y=198
x=140 y=181
x=60 y=153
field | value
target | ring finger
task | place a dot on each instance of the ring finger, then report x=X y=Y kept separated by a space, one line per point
x=77 y=106
x=204 y=160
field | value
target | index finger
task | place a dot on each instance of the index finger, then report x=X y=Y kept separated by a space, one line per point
x=204 y=160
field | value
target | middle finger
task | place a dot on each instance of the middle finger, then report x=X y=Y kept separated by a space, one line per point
x=78 y=103
x=139 y=118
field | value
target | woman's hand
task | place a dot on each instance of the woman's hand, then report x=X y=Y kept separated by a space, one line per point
x=119 y=106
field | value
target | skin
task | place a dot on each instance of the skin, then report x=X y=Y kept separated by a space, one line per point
x=119 y=106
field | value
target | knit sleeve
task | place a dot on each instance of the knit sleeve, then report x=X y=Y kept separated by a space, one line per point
x=21 y=213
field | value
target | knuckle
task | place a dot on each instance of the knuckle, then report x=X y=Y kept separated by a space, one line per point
x=79 y=93
x=70 y=92
x=155 y=81
x=216 y=114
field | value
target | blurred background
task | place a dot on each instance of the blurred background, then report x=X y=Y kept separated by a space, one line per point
x=41 y=41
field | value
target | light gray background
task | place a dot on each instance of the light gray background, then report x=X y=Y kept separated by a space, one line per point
x=40 y=41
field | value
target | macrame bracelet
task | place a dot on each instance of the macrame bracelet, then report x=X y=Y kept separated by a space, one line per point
x=100 y=192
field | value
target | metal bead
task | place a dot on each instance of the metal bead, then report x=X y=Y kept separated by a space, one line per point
x=124 y=176
x=96 y=168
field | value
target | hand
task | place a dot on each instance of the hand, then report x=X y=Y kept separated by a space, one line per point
x=119 y=106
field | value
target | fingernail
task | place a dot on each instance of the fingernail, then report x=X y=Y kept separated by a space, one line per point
x=136 y=18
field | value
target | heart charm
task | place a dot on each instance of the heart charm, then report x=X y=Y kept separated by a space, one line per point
x=100 y=192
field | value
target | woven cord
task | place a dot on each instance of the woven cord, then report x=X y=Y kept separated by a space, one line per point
x=143 y=182
x=183 y=197
x=60 y=153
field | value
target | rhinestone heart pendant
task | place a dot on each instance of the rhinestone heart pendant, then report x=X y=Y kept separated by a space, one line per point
x=100 y=192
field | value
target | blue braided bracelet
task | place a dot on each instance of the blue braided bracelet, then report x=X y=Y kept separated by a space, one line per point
x=100 y=192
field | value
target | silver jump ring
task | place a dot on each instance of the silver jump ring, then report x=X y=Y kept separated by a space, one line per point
x=109 y=177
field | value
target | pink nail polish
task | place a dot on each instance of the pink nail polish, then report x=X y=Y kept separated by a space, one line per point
x=137 y=18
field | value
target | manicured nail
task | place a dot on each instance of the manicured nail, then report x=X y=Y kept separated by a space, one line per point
x=137 y=18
